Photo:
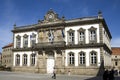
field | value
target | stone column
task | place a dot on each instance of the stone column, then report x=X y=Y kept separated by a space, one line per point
x=55 y=57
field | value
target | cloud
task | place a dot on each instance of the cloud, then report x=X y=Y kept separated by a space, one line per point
x=115 y=42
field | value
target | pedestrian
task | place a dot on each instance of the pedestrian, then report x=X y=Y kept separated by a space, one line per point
x=54 y=75
x=111 y=74
x=106 y=74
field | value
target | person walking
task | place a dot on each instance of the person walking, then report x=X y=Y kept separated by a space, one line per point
x=111 y=75
x=106 y=74
x=54 y=74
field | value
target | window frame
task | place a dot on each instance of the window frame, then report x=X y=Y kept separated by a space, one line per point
x=71 y=59
x=71 y=36
x=83 y=57
x=18 y=41
x=25 y=41
x=32 y=39
x=93 y=58
x=17 y=60
x=25 y=60
x=81 y=30
x=33 y=59
x=93 y=35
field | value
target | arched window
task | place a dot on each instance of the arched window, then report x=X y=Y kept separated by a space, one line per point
x=32 y=39
x=25 y=59
x=33 y=59
x=25 y=40
x=82 y=58
x=93 y=58
x=71 y=58
x=17 y=59
x=18 y=41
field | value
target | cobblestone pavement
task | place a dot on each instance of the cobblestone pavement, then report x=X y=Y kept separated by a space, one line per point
x=32 y=76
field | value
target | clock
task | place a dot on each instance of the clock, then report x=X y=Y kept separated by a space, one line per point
x=50 y=16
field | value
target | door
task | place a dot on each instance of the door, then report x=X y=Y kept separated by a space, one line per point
x=50 y=65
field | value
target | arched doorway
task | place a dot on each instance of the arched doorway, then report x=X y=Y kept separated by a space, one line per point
x=50 y=62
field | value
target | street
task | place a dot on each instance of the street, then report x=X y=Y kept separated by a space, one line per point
x=4 y=75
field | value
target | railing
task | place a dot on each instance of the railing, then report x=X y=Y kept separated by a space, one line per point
x=50 y=44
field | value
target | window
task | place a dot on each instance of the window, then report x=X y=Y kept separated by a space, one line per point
x=116 y=63
x=81 y=35
x=25 y=40
x=32 y=59
x=25 y=59
x=18 y=41
x=17 y=59
x=92 y=34
x=82 y=58
x=93 y=58
x=71 y=58
x=71 y=36
x=33 y=39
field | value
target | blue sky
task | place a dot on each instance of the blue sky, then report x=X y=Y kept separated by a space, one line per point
x=25 y=12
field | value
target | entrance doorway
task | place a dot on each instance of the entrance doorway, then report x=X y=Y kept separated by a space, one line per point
x=50 y=63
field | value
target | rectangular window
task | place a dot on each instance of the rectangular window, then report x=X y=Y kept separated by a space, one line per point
x=81 y=37
x=18 y=42
x=25 y=42
x=71 y=59
x=92 y=35
x=82 y=59
x=71 y=37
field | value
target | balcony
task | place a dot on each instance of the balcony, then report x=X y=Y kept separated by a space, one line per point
x=59 y=44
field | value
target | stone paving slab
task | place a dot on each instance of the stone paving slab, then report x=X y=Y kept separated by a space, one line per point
x=33 y=76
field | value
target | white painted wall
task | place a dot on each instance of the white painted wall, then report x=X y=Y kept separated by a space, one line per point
x=87 y=51
x=21 y=57
x=86 y=27
x=22 y=34
x=106 y=39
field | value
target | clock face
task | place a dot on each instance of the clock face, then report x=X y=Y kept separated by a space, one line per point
x=50 y=16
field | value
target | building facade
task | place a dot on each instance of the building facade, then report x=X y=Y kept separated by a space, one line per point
x=115 y=58
x=7 y=55
x=77 y=45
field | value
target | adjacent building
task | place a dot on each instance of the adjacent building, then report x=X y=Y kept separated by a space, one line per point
x=115 y=58
x=78 y=46
x=7 y=55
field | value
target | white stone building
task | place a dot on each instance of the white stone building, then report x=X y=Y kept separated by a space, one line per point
x=78 y=46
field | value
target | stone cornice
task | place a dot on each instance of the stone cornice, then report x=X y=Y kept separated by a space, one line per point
x=64 y=23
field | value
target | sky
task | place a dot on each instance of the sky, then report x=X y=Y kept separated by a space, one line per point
x=26 y=12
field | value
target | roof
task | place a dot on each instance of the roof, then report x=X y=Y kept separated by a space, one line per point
x=115 y=50
x=9 y=45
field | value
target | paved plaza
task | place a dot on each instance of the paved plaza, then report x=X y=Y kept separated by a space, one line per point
x=4 y=75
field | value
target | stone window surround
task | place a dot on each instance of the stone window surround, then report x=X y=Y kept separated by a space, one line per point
x=95 y=64
x=17 y=63
x=32 y=37
x=25 y=60
x=33 y=58
x=25 y=38
x=72 y=58
x=79 y=58
x=18 y=39
x=71 y=31
x=81 y=30
x=93 y=29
